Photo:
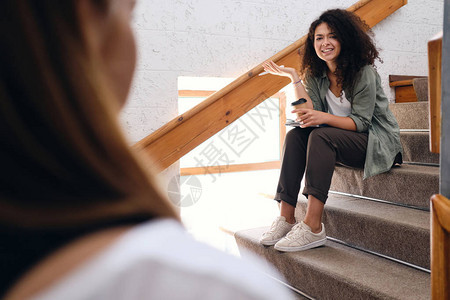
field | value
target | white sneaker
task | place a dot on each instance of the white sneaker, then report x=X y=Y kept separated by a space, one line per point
x=301 y=238
x=277 y=231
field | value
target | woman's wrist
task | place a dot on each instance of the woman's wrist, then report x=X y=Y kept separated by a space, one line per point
x=327 y=118
x=295 y=79
x=295 y=82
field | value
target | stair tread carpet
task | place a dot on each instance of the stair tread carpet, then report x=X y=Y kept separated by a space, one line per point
x=416 y=147
x=411 y=185
x=411 y=115
x=335 y=271
x=398 y=232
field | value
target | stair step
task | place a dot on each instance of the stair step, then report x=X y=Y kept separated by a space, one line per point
x=416 y=147
x=399 y=232
x=421 y=88
x=411 y=115
x=335 y=271
x=411 y=185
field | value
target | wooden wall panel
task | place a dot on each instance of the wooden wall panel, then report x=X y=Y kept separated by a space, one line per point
x=405 y=94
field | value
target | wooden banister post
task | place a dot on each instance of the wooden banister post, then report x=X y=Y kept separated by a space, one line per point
x=440 y=247
x=434 y=90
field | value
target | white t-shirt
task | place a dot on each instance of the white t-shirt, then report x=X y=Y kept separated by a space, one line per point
x=160 y=260
x=338 y=106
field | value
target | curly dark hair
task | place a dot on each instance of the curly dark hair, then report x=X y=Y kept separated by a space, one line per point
x=357 y=47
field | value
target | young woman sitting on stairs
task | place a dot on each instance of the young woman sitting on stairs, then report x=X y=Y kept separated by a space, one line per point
x=346 y=120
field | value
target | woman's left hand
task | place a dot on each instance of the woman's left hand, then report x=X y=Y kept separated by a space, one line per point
x=311 y=117
x=274 y=69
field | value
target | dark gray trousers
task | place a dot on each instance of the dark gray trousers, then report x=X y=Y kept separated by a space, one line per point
x=314 y=152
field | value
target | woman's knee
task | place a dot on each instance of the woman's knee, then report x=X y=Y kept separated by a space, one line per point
x=320 y=135
x=295 y=136
x=292 y=134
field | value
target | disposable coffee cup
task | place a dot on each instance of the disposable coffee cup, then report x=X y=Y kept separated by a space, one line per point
x=300 y=103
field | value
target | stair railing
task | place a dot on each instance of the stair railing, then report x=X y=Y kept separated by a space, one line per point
x=179 y=136
x=434 y=90
x=440 y=247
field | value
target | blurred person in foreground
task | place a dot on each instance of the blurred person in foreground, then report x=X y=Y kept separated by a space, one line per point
x=80 y=217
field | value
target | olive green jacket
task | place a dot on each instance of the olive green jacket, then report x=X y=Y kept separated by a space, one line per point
x=370 y=112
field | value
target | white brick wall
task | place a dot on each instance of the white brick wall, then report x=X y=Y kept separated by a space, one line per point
x=402 y=38
x=225 y=38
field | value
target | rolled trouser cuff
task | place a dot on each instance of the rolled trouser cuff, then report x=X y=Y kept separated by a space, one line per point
x=309 y=190
x=286 y=198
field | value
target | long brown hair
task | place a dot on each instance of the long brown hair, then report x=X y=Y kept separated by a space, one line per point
x=64 y=159
x=357 y=47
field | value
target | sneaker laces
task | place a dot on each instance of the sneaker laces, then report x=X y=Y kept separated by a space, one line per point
x=298 y=231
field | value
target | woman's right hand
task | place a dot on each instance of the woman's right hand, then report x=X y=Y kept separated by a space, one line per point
x=272 y=68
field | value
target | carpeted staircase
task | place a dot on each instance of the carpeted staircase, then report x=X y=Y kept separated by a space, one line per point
x=378 y=229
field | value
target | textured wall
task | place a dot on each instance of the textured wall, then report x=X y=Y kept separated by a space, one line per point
x=402 y=39
x=225 y=38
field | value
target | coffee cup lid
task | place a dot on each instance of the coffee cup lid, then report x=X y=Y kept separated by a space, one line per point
x=299 y=101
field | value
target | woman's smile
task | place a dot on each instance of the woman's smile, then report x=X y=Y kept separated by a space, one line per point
x=327 y=51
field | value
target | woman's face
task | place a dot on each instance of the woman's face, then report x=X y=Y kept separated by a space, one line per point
x=326 y=44
x=113 y=42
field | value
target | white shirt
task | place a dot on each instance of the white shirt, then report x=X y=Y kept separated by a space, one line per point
x=338 y=106
x=160 y=260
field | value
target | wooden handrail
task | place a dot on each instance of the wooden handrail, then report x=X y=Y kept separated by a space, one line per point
x=401 y=83
x=440 y=247
x=179 y=136
x=434 y=90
